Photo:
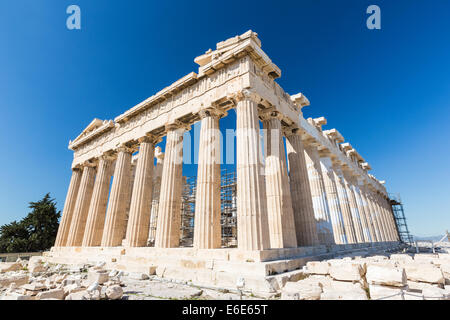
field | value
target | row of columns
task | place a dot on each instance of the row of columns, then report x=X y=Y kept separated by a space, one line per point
x=316 y=201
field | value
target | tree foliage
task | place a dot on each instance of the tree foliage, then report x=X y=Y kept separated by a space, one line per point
x=36 y=232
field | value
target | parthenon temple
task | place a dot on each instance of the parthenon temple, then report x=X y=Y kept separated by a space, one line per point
x=301 y=192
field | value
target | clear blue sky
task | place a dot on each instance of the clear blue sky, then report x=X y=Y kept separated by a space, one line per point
x=387 y=91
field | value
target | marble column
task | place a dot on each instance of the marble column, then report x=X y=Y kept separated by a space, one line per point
x=156 y=192
x=356 y=217
x=384 y=220
x=169 y=212
x=365 y=217
x=97 y=208
x=373 y=215
x=69 y=205
x=389 y=226
x=141 y=199
x=252 y=221
x=279 y=204
x=344 y=203
x=81 y=209
x=337 y=220
x=319 y=196
x=390 y=213
x=305 y=223
x=207 y=228
x=381 y=229
x=369 y=214
x=115 y=224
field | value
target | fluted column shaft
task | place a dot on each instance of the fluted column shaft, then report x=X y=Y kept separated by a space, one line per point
x=115 y=224
x=373 y=214
x=279 y=203
x=356 y=217
x=337 y=219
x=385 y=217
x=333 y=201
x=381 y=229
x=97 y=208
x=390 y=213
x=369 y=214
x=69 y=205
x=365 y=220
x=141 y=199
x=169 y=212
x=81 y=209
x=319 y=196
x=382 y=217
x=207 y=229
x=252 y=223
x=345 y=204
x=305 y=224
x=156 y=192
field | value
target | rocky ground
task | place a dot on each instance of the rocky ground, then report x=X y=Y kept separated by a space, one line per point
x=37 y=280
x=397 y=276
x=385 y=275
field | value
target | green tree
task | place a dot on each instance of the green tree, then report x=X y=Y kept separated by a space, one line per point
x=36 y=232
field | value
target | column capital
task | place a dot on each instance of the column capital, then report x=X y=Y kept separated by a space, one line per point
x=177 y=124
x=269 y=114
x=124 y=148
x=246 y=94
x=90 y=163
x=107 y=156
x=150 y=138
x=212 y=112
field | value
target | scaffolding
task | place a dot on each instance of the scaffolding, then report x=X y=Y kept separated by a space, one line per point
x=400 y=219
x=228 y=219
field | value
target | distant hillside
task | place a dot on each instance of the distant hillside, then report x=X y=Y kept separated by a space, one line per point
x=429 y=238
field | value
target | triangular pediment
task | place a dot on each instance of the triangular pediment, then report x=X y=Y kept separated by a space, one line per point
x=96 y=123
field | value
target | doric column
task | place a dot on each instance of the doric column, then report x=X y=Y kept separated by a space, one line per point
x=337 y=220
x=279 y=203
x=115 y=224
x=379 y=221
x=305 y=223
x=384 y=220
x=356 y=217
x=390 y=213
x=81 y=209
x=373 y=215
x=141 y=199
x=69 y=205
x=207 y=229
x=97 y=208
x=319 y=196
x=344 y=203
x=385 y=217
x=169 y=212
x=156 y=192
x=365 y=216
x=368 y=211
x=252 y=223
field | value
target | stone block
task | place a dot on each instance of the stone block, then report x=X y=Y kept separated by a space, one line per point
x=378 y=292
x=415 y=286
x=446 y=273
x=114 y=292
x=318 y=267
x=432 y=293
x=99 y=276
x=402 y=257
x=423 y=272
x=10 y=266
x=18 y=279
x=57 y=294
x=16 y=296
x=387 y=276
x=347 y=271
x=302 y=290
